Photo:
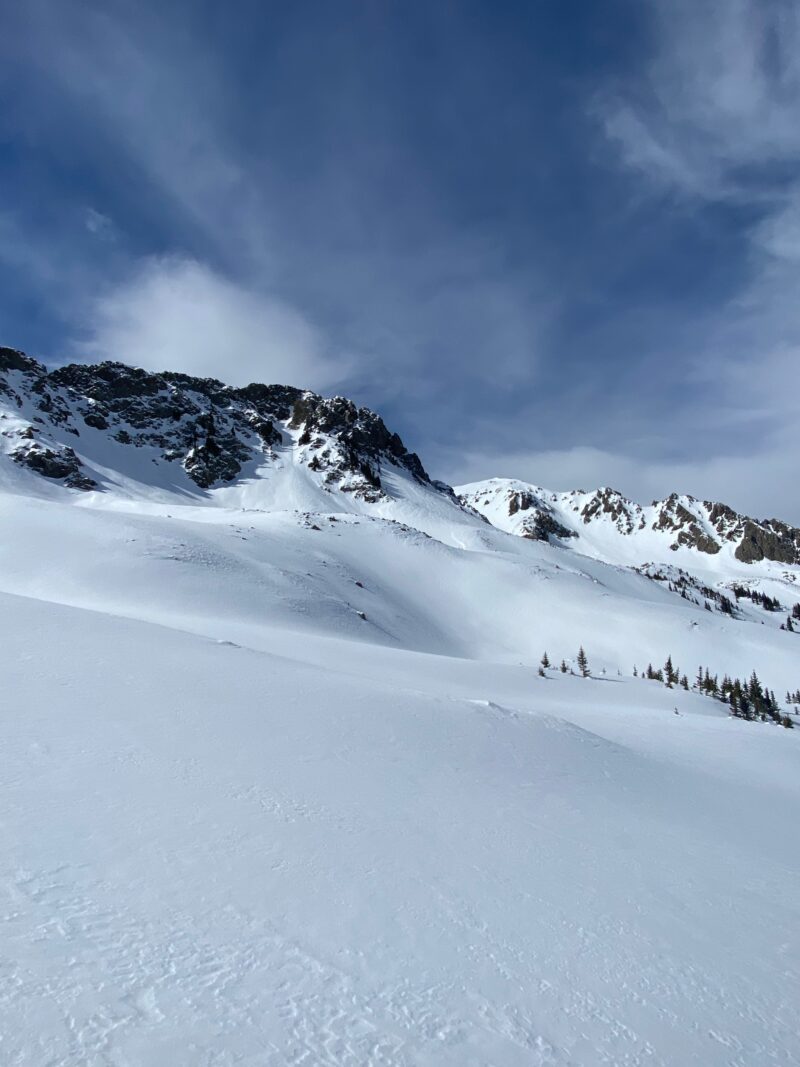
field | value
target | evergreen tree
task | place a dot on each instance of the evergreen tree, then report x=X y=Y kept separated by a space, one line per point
x=563 y=668
x=669 y=672
x=545 y=661
x=583 y=663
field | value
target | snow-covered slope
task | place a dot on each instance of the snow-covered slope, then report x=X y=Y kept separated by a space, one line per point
x=703 y=549
x=121 y=433
x=281 y=783
x=315 y=854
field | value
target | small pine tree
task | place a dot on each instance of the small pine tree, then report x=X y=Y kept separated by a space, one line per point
x=545 y=661
x=583 y=663
x=685 y=682
x=563 y=668
x=669 y=671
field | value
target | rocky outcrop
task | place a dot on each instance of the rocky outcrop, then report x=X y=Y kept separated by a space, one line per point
x=625 y=514
x=674 y=516
x=211 y=429
x=344 y=439
x=768 y=540
x=58 y=463
x=543 y=526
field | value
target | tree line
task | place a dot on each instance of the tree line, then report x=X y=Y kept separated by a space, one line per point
x=747 y=699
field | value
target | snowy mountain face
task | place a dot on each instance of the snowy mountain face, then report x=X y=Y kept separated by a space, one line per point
x=681 y=521
x=210 y=431
x=286 y=777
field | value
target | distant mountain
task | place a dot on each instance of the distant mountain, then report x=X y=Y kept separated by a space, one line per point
x=608 y=525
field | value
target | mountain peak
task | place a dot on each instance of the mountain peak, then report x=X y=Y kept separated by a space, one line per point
x=607 y=523
x=209 y=429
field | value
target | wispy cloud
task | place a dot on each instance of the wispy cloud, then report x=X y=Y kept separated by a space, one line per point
x=717 y=99
x=177 y=314
x=711 y=119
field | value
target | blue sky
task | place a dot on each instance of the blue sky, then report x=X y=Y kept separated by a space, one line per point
x=554 y=241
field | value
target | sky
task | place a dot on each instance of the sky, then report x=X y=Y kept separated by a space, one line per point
x=551 y=241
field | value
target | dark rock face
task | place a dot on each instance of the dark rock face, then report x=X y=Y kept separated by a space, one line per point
x=544 y=526
x=362 y=438
x=58 y=464
x=674 y=516
x=755 y=540
x=519 y=500
x=625 y=515
x=211 y=429
x=769 y=540
x=539 y=522
x=11 y=359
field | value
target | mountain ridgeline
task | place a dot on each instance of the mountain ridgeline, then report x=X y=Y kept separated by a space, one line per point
x=703 y=526
x=71 y=424
x=212 y=431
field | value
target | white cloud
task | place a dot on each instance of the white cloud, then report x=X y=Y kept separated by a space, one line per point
x=178 y=314
x=718 y=95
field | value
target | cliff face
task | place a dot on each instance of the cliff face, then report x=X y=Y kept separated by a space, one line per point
x=210 y=429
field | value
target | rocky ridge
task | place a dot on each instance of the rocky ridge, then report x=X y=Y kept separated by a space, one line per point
x=702 y=525
x=218 y=434
x=210 y=429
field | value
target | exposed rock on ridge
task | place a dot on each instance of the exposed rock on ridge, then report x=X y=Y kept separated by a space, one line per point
x=700 y=525
x=211 y=429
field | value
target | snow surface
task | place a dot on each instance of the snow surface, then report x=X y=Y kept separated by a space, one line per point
x=281 y=785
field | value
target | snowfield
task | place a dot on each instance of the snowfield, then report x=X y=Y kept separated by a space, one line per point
x=222 y=855
x=280 y=784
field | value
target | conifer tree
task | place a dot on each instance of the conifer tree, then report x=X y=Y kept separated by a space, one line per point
x=545 y=661
x=583 y=663
x=669 y=671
